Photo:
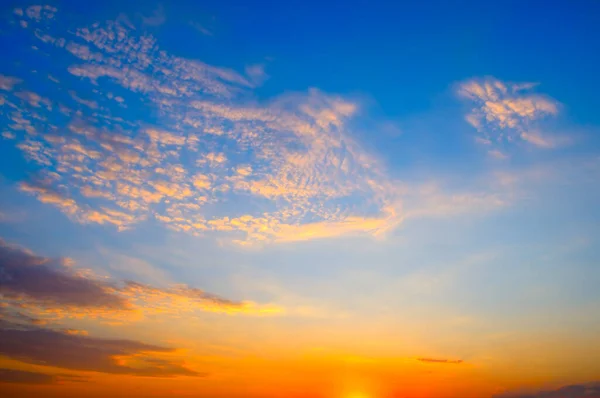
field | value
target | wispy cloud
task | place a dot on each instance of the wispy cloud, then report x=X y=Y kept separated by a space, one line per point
x=257 y=73
x=201 y=28
x=157 y=17
x=441 y=361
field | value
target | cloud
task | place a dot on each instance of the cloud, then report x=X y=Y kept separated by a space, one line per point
x=291 y=166
x=48 y=347
x=504 y=113
x=291 y=163
x=374 y=226
x=589 y=390
x=33 y=99
x=46 y=281
x=182 y=299
x=257 y=74
x=544 y=141
x=88 y=103
x=441 y=361
x=26 y=377
x=433 y=199
x=15 y=316
x=8 y=82
x=39 y=289
x=36 y=13
x=497 y=154
x=201 y=28
x=157 y=18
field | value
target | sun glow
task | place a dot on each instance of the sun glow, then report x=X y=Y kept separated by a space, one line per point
x=358 y=395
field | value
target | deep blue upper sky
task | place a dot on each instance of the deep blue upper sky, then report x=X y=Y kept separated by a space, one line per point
x=400 y=53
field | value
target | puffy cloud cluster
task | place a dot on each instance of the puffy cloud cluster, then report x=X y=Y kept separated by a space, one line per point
x=290 y=165
x=506 y=112
x=147 y=135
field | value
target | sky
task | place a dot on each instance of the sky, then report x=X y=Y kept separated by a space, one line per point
x=300 y=199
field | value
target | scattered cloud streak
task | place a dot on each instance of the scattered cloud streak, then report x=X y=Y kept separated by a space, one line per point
x=441 y=361
x=201 y=28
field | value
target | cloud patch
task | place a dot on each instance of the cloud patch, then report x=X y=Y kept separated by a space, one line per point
x=506 y=113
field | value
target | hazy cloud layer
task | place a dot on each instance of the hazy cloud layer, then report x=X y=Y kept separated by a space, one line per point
x=25 y=377
x=590 y=390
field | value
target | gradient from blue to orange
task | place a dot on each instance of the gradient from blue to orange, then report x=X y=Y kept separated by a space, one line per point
x=300 y=199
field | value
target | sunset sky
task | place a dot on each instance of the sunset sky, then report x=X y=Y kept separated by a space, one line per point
x=230 y=199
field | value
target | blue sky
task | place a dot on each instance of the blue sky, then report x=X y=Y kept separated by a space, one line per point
x=353 y=172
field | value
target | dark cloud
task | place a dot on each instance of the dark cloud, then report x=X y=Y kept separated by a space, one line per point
x=590 y=390
x=49 y=347
x=441 y=361
x=12 y=315
x=45 y=280
x=25 y=377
